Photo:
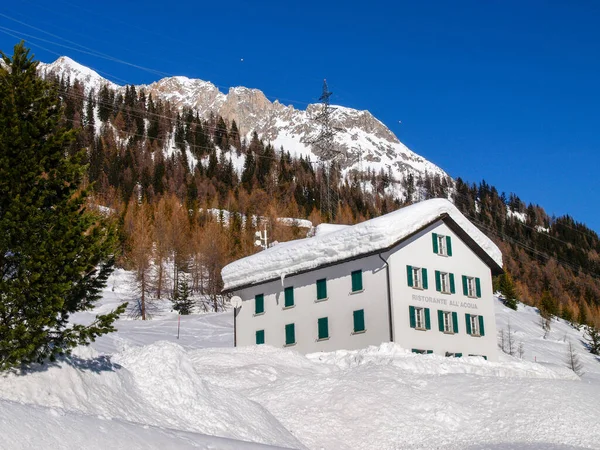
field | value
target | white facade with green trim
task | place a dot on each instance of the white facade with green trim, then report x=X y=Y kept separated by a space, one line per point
x=431 y=292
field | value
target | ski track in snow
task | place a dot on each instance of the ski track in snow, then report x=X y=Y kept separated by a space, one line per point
x=143 y=388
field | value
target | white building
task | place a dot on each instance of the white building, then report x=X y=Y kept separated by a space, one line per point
x=420 y=276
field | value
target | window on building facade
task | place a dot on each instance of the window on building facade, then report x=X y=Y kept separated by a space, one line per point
x=359 y=320
x=290 y=334
x=260 y=337
x=259 y=304
x=448 y=321
x=357 y=282
x=322 y=289
x=444 y=282
x=475 y=325
x=323 y=328
x=419 y=318
x=471 y=286
x=453 y=355
x=288 y=297
x=442 y=244
x=417 y=277
x=421 y=352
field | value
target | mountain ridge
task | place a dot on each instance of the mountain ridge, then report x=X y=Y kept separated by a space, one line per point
x=362 y=141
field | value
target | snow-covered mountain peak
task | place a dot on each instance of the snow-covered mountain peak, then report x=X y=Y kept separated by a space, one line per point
x=183 y=91
x=65 y=66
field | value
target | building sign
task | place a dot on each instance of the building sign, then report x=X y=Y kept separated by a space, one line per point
x=444 y=301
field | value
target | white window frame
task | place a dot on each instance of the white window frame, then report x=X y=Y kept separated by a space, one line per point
x=442 y=248
x=419 y=318
x=471 y=287
x=445 y=282
x=448 y=325
x=475 y=326
x=417 y=273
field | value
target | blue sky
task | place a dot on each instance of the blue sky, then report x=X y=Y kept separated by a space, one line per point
x=506 y=91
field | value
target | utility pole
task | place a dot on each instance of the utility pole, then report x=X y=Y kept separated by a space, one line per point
x=327 y=153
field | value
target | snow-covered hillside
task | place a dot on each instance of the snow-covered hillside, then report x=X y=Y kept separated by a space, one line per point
x=363 y=141
x=144 y=388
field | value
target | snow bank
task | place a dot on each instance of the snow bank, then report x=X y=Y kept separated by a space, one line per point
x=28 y=427
x=371 y=235
x=390 y=354
x=176 y=388
x=156 y=385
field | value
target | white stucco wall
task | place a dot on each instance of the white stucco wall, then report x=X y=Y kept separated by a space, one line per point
x=417 y=251
x=338 y=308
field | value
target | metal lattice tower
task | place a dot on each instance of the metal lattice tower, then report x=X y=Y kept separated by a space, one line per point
x=324 y=143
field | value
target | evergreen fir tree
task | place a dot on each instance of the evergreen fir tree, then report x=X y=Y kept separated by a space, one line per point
x=506 y=287
x=592 y=336
x=104 y=103
x=248 y=172
x=55 y=256
x=182 y=301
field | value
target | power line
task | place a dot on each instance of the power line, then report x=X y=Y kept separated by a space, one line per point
x=87 y=52
x=91 y=52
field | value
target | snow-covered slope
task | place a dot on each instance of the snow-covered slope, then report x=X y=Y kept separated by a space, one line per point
x=362 y=141
x=34 y=427
x=143 y=388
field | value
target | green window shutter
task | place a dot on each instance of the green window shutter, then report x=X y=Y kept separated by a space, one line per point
x=441 y=320
x=289 y=296
x=481 y=329
x=455 y=322
x=429 y=352
x=359 y=320
x=458 y=355
x=260 y=337
x=468 y=322
x=478 y=287
x=259 y=304
x=290 y=334
x=322 y=289
x=424 y=276
x=427 y=319
x=409 y=275
x=465 y=285
x=411 y=312
x=357 y=284
x=323 y=328
x=438 y=281
x=452 y=287
x=435 y=242
x=415 y=350
x=449 y=245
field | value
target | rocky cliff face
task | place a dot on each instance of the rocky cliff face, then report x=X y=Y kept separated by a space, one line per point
x=361 y=140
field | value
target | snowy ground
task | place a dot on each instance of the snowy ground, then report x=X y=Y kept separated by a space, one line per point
x=144 y=388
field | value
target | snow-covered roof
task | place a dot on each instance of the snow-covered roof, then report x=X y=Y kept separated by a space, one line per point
x=366 y=237
x=327 y=228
